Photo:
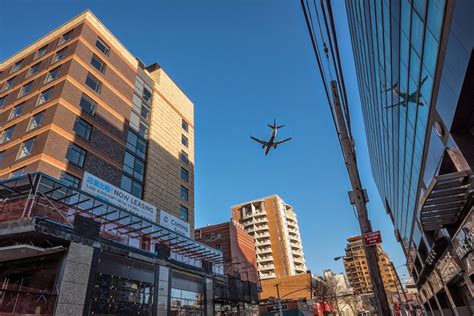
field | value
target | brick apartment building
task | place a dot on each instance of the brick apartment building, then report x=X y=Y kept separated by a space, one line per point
x=78 y=101
x=237 y=246
x=238 y=290
x=78 y=110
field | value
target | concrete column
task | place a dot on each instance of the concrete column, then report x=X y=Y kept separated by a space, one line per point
x=75 y=277
x=209 y=305
x=163 y=290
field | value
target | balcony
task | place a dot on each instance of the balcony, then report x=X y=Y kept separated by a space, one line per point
x=270 y=275
x=265 y=242
x=263 y=250
x=266 y=267
x=259 y=228
x=262 y=259
x=261 y=220
x=262 y=235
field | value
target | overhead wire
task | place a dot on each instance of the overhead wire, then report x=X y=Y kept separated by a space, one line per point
x=337 y=63
x=313 y=37
x=319 y=63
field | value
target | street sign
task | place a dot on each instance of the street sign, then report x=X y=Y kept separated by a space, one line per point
x=373 y=238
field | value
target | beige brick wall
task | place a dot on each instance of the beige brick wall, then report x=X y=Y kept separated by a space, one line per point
x=163 y=181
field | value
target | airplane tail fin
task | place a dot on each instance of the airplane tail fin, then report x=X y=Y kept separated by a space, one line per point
x=280 y=126
x=271 y=126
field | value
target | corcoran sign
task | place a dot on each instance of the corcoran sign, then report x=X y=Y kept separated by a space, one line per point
x=110 y=193
x=175 y=224
x=373 y=238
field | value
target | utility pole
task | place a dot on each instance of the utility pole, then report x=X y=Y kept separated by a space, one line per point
x=280 y=310
x=358 y=197
x=410 y=311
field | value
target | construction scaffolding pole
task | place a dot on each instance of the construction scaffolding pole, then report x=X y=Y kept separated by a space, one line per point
x=359 y=198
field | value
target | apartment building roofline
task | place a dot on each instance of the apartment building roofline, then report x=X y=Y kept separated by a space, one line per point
x=258 y=200
x=85 y=15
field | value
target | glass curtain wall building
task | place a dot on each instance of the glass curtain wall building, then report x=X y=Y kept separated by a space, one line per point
x=414 y=69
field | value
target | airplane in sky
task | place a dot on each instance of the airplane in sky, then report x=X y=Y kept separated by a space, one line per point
x=415 y=97
x=267 y=145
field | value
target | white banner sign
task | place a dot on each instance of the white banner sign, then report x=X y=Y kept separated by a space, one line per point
x=175 y=224
x=110 y=193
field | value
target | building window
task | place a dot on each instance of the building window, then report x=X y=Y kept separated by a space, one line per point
x=104 y=48
x=76 y=155
x=143 y=129
x=34 y=69
x=133 y=166
x=70 y=180
x=59 y=55
x=146 y=94
x=136 y=145
x=82 y=128
x=7 y=134
x=87 y=105
x=131 y=186
x=183 y=156
x=208 y=236
x=26 y=89
x=184 y=140
x=2 y=102
x=25 y=148
x=218 y=235
x=184 y=194
x=52 y=75
x=2 y=155
x=98 y=63
x=16 y=111
x=18 y=172
x=183 y=213
x=66 y=37
x=218 y=247
x=35 y=121
x=93 y=83
x=184 y=125
x=41 y=52
x=16 y=66
x=184 y=174
x=45 y=96
x=8 y=84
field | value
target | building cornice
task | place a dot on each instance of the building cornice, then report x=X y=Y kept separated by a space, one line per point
x=87 y=15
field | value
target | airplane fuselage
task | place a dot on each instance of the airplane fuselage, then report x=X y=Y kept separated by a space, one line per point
x=271 y=141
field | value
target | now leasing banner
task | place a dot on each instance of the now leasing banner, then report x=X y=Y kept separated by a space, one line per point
x=110 y=193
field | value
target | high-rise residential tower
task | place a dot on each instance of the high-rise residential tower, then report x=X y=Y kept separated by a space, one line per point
x=357 y=270
x=77 y=101
x=415 y=68
x=273 y=225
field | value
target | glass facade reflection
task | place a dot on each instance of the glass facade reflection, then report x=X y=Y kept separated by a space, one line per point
x=414 y=62
x=396 y=45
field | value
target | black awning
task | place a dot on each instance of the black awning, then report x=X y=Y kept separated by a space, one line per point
x=445 y=199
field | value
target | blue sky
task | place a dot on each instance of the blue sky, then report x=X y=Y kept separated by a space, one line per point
x=242 y=63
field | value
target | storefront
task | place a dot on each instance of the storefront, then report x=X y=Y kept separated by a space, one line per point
x=65 y=252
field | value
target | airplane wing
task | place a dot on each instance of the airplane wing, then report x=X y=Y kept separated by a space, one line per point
x=282 y=141
x=393 y=105
x=259 y=140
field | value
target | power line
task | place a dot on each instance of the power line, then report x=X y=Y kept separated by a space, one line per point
x=320 y=67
